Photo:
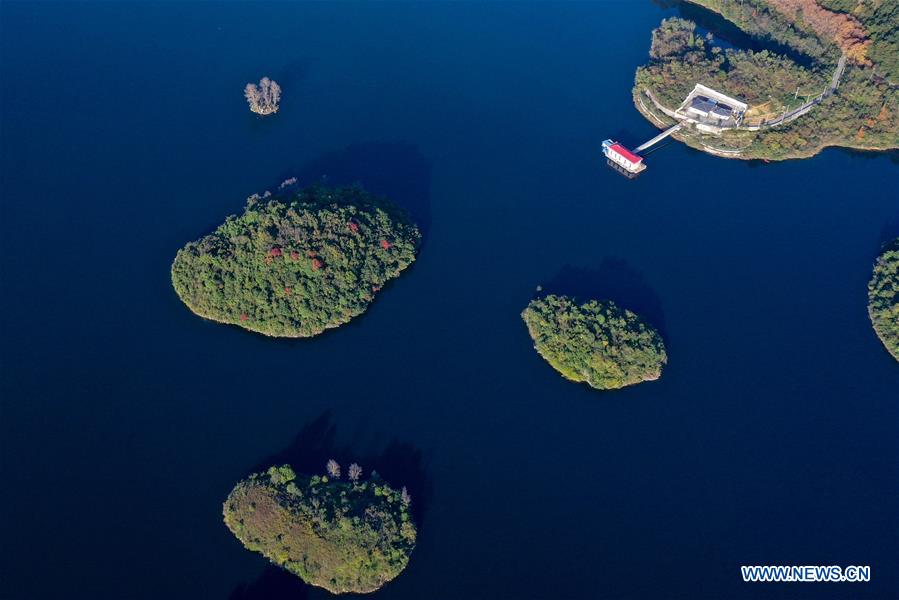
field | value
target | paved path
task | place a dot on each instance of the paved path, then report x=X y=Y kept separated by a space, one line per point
x=787 y=116
x=798 y=112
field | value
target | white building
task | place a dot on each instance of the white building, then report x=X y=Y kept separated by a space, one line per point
x=622 y=157
x=711 y=110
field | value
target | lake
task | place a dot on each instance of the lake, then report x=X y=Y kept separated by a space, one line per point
x=771 y=438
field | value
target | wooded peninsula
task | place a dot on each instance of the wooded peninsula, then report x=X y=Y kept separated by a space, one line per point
x=827 y=75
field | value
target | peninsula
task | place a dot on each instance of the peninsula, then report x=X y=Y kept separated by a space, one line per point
x=296 y=264
x=597 y=343
x=346 y=536
x=830 y=78
x=883 y=297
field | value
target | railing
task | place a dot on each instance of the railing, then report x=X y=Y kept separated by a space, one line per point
x=807 y=106
x=658 y=138
x=787 y=116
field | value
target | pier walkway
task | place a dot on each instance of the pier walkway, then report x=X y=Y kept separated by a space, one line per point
x=658 y=138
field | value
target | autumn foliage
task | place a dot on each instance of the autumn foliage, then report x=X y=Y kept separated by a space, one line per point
x=860 y=113
x=844 y=30
x=238 y=274
x=344 y=536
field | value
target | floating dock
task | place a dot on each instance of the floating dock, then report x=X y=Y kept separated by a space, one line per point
x=628 y=162
x=622 y=157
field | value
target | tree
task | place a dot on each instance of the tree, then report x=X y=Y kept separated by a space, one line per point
x=355 y=472
x=363 y=535
x=407 y=499
x=333 y=468
x=264 y=98
x=883 y=297
x=282 y=474
x=595 y=342
x=237 y=274
x=844 y=30
x=769 y=82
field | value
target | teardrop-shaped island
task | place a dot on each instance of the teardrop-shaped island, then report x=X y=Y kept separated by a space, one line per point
x=595 y=342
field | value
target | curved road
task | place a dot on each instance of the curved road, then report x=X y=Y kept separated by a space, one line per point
x=798 y=112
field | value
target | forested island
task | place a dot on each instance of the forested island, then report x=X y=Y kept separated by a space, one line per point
x=296 y=264
x=883 y=297
x=594 y=342
x=794 y=108
x=342 y=535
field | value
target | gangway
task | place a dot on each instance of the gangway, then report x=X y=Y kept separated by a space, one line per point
x=658 y=138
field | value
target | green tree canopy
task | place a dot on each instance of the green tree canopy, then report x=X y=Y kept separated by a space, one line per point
x=344 y=536
x=595 y=342
x=883 y=297
x=297 y=265
x=862 y=113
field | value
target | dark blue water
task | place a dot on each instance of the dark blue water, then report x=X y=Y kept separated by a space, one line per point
x=772 y=438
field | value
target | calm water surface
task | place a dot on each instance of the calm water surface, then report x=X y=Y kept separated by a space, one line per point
x=773 y=437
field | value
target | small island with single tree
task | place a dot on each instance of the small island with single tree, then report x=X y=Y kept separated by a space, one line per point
x=595 y=342
x=347 y=536
x=883 y=297
x=296 y=264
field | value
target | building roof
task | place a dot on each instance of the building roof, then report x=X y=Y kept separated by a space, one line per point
x=722 y=111
x=626 y=153
x=719 y=98
x=702 y=105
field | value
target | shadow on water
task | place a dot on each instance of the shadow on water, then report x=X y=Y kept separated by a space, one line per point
x=856 y=153
x=613 y=280
x=397 y=170
x=729 y=33
x=888 y=233
x=291 y=74
x=273 y=584
x=398 y=463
